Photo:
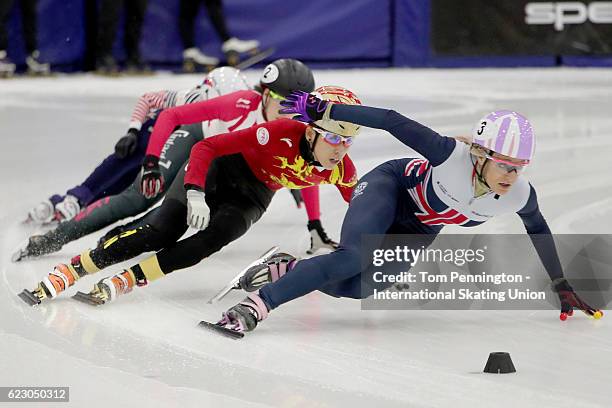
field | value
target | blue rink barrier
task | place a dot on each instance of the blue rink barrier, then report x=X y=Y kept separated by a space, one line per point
x=355 y=33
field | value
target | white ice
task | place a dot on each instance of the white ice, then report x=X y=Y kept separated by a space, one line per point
x=317 y=351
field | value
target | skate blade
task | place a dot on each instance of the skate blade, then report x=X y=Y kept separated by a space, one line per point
x=28 y=220
x=87 y=298
x=29 y=298
x=249 y=62
x=19 y=256
x=232 y=334
x=233 y=284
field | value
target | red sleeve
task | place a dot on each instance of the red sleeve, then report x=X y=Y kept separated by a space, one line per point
x=243 y=141
x=349 y=178
x=170 y=118
x=147 y=102
x=205 y=151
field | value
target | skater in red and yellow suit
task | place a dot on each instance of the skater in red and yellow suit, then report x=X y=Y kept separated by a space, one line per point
x=225 y=188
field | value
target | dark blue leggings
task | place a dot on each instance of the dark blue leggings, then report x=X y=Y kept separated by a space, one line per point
x=113 y=175
x=378 y=206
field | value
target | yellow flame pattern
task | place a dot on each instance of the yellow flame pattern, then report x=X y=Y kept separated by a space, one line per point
x=307 y=175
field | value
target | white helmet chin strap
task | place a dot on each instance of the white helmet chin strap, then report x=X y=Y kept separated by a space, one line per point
x=481 y=186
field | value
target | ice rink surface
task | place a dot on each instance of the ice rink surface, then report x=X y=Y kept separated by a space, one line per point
x=317 y=351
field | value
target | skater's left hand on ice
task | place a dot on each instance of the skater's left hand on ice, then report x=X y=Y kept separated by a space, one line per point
x=306 y=107
x=570 y=300
x=151 y=180
x=198 y=213
x=126 y=146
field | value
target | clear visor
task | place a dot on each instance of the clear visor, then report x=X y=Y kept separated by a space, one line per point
x=333 y=138
x=503 y=164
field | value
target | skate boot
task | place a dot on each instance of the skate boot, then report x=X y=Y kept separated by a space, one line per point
x=54 y=209
x=35 y=67
x=61 y=278
x=234 y=48
x=38 y=245
x=271 y=271
x=42 y=214
x=7 y=68
x=108 y=289
x=245 y=315
x=195 y=60
x=67 y=209
x=318 y=238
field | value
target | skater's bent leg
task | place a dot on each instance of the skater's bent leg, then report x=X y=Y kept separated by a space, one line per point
x=165 y=227
x=226 y=225
x=372 y=211
x=168 y=227
x=114 y=174
x=106 y=179
x=131 y=202
x=363 y=285
x=110 y=177
x=103 y=213
x=310 y=275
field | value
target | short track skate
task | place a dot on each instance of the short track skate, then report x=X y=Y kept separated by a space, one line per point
x=219 y=329
x=33 y=297
x=96 y=297
x=235 y=283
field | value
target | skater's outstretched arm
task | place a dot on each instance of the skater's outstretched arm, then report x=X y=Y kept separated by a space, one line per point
x=223 y=108
x=425 y=141
x=147 y=103
x=161 y=100
x=543 y=241
x=540 y=235
x=430 y=144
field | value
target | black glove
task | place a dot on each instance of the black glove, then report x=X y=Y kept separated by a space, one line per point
x=319 y=238
x=151 y=178
x=126 y=146
x=570 y=300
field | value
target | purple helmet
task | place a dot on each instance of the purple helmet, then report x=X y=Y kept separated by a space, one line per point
x=505 y=132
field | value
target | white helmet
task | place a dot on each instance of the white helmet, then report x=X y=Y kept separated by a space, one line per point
x=222 y=81
x=505 y=132
x=337 y=94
